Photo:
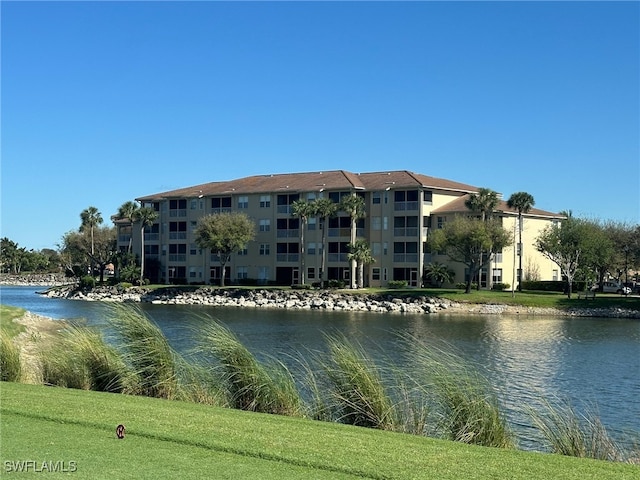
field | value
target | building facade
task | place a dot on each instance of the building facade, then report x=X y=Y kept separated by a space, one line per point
x=401 y=208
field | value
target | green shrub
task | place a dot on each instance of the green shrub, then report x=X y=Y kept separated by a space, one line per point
x=501 y=286
x=301 y=286
x=335 y=284
x=87 y=282
x=397 y=284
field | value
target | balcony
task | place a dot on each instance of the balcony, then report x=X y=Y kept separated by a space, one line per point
x=178 y=213
x=177 y=257
x=405 y=206
x=288 y=233
x=405 y=257
x=288 y=257
x=177 y=235
x=405 y=232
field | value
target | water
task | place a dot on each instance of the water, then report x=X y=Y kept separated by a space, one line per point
x=591 y=362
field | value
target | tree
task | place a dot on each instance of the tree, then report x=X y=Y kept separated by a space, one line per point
x=303 y=210
x=325 y=209
x=465 y=240
x=566 y=245
x=146 y=216
x=360 y=253
x=9 y=256
x=90 y=218
x=354 y=206
x=439 y=273
x=522 y=202
x=224 y=233
x=484 y=202
x=77 y=248
x=128 y=211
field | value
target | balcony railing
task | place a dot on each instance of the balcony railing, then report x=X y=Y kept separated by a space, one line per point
x=177 y=257
x=406 y=232
x=288 y=257
x=292 y=233
x=178 y=213
x=151 y=237
x=404 y=206
x=405 y=257
x=284 y=209
x=177 y=235
x=337 y=257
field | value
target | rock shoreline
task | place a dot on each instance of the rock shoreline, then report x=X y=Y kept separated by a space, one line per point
x=327 y=300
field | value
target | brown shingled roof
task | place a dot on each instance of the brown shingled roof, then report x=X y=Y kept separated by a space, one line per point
x=310 y=181
x=458 y=206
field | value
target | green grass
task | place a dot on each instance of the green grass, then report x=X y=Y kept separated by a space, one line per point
x=7 y=316
x=173 y=439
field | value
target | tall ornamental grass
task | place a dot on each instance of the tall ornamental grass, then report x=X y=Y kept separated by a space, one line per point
x=568 y=432
x=356 y=386
x=82 y=359
x=249 y=384
x=466 y=408
x=10 y=363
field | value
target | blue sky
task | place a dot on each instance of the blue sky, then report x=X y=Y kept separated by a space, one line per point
x=103 y=102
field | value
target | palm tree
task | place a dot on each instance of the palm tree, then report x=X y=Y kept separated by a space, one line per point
x=146 y=216
x=360 y=253
x=484 y=202
x=439 y=273
x=303 y=210
x=90 y=218
x=325 y=209
x=354 y=206
x=522 y=202
x=127 y=211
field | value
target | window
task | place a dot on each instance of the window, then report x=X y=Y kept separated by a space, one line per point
x=263 y=274
x=265 y=201
x=311 y=196
x=375 y=223
x=555 y=275
x=242 y=272
x=496 y=275
x=385 y=223
x=265 y=225
x=376 y=248
x=375 y=273
x=264 y=249
x=441 y=221
x=193 y=249
x=311 y=248
x=311 y=273
x=385 y=274
x=243 y=252
x=243 y=201
x=221 y=202
x=385 y=248
x=427 y=196
x=376 y=197
x=312 y=223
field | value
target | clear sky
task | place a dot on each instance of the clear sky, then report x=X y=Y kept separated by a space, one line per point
x=103 y=102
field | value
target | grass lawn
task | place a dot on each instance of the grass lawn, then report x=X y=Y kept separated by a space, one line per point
x=169 y=439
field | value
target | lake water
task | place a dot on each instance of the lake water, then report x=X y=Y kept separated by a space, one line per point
x=593 y=362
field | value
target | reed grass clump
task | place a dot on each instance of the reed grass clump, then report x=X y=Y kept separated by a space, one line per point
x=249 y=384
x=82 y=359
x=568 y=432
x=10 y=363
x=462 y=399
x=147 y=353
x=356 y=386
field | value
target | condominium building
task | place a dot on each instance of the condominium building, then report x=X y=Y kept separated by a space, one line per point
x=401 y=207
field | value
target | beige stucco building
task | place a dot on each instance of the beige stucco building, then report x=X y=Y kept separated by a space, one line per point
x=401 y=207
